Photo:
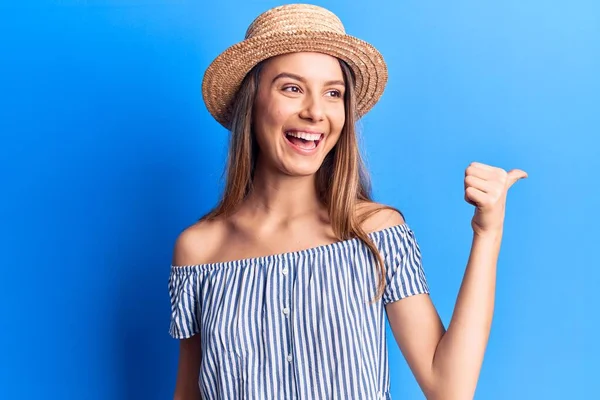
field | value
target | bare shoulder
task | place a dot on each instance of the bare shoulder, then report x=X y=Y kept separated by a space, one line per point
x=196 y=244
x=377 y=216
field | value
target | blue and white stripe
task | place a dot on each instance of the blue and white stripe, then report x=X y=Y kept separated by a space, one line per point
x=296 y=325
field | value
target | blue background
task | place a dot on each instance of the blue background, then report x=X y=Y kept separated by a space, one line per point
x=107 y=153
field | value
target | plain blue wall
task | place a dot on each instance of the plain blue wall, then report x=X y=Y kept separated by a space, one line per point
x=107 y=152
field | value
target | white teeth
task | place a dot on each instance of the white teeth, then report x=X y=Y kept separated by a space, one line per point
x=305 y=135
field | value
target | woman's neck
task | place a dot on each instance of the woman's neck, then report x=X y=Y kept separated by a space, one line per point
x=282 y=199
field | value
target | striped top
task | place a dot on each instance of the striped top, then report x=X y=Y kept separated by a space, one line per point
x=296 y=325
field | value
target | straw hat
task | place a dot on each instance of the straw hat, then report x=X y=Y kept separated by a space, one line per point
x=289 y=29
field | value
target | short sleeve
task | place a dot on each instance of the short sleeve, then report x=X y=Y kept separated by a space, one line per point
x=185 y=304
x=405 y=275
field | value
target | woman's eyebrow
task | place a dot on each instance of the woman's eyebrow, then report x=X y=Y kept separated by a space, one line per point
x=301 y=79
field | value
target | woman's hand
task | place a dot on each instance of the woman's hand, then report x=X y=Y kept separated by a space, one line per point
x=486 y=188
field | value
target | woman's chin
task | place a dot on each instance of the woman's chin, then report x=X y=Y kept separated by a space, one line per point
x=303 y=169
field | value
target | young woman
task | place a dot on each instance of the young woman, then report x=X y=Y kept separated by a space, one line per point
x=281 y=291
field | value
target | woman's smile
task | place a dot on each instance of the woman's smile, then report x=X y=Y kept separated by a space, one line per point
x=304 y=142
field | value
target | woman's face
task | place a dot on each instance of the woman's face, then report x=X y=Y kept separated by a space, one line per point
x=299 y=111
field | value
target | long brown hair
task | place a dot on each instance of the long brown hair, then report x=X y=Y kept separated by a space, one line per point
x=342 y=181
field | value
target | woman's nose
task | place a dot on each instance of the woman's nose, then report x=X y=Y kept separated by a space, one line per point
x=313 y=109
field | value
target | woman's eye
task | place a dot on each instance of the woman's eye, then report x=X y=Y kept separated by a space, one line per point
x=335 y=93
x=293 y=89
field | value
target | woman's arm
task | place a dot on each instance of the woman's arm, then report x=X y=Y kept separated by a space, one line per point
x=192 y=247
x=447 y=363
x=453 y=360
x=188 y=369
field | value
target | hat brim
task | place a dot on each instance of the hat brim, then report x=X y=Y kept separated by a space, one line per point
x=225 y=74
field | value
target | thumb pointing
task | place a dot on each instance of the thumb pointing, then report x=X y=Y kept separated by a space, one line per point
x=514 y=175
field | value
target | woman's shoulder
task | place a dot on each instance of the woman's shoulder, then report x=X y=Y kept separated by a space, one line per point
x=202 y=242
x=377 y=216
x=197 y=243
